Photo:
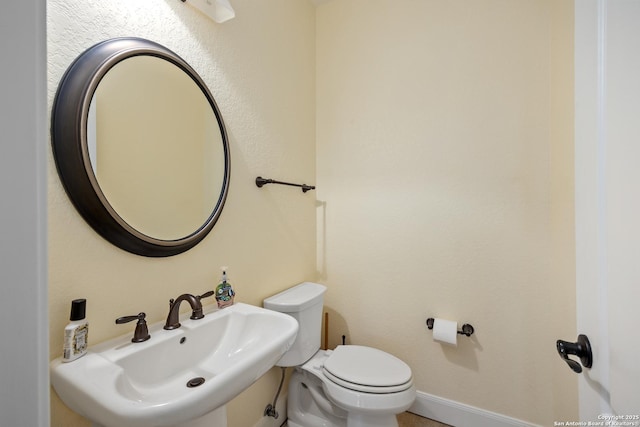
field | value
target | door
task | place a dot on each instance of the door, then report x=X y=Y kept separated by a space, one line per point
x=607 y=162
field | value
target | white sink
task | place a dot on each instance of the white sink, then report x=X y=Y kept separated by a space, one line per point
x=120 y=383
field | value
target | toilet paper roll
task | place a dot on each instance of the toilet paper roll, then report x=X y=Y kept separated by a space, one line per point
x=445 y=331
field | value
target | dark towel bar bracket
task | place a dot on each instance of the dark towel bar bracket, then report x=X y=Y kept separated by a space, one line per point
x=260 y=181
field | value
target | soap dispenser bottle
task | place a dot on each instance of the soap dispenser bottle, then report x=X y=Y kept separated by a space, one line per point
x=76 y=333
x=224 y=291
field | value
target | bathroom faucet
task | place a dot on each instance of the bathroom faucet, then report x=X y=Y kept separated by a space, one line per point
x=173 y=320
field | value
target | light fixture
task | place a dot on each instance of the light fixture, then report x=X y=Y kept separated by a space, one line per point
x=218 y=10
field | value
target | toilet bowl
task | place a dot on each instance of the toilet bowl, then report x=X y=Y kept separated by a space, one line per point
x=318 y=398
x=351 y=386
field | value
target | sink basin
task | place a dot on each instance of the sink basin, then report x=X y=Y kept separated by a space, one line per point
x=146 y=384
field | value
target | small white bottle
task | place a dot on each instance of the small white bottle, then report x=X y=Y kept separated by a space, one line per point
x=76 y=333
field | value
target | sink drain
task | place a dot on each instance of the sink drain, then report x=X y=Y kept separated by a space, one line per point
x=195 y=382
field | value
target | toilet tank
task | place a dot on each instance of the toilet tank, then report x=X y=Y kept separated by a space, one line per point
x=304 y=303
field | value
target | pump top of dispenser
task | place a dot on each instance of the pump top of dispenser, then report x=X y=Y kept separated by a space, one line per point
x=78 y=309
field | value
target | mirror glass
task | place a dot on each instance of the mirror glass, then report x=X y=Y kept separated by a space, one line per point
x=155 y=147
x=140 y=147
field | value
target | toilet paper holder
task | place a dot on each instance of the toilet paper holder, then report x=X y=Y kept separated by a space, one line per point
x=467 y=329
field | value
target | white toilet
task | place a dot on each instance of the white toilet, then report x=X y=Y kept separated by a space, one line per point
x=351 y=386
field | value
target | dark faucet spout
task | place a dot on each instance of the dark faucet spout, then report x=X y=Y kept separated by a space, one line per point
x=173 y=319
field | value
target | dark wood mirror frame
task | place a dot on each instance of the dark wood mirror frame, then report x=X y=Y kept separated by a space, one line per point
x=69 y=142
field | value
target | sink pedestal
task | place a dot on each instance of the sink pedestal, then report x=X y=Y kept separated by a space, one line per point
x=215 y=418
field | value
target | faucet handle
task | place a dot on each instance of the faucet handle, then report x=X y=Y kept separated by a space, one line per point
x=141 y=333
x=196 y=313
x=205 y=295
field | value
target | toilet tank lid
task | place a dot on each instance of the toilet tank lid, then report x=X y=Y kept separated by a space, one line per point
x=297 y=298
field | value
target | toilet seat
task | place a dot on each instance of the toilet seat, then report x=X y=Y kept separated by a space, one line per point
x=367 y=370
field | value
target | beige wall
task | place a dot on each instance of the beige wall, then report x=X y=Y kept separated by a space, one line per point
x=260 y=67
x=445 y=180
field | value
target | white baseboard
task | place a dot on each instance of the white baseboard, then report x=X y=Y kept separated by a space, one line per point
x=429 y=406
x=281 y=409
x=460 y=415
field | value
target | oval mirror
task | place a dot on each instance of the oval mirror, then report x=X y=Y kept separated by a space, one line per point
x=141 y=147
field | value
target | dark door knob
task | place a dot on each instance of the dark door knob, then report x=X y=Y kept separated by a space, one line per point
x=580 y=348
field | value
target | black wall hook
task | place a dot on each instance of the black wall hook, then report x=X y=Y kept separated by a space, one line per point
x=260 y=182
x=580 y=348
x=467 y=329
